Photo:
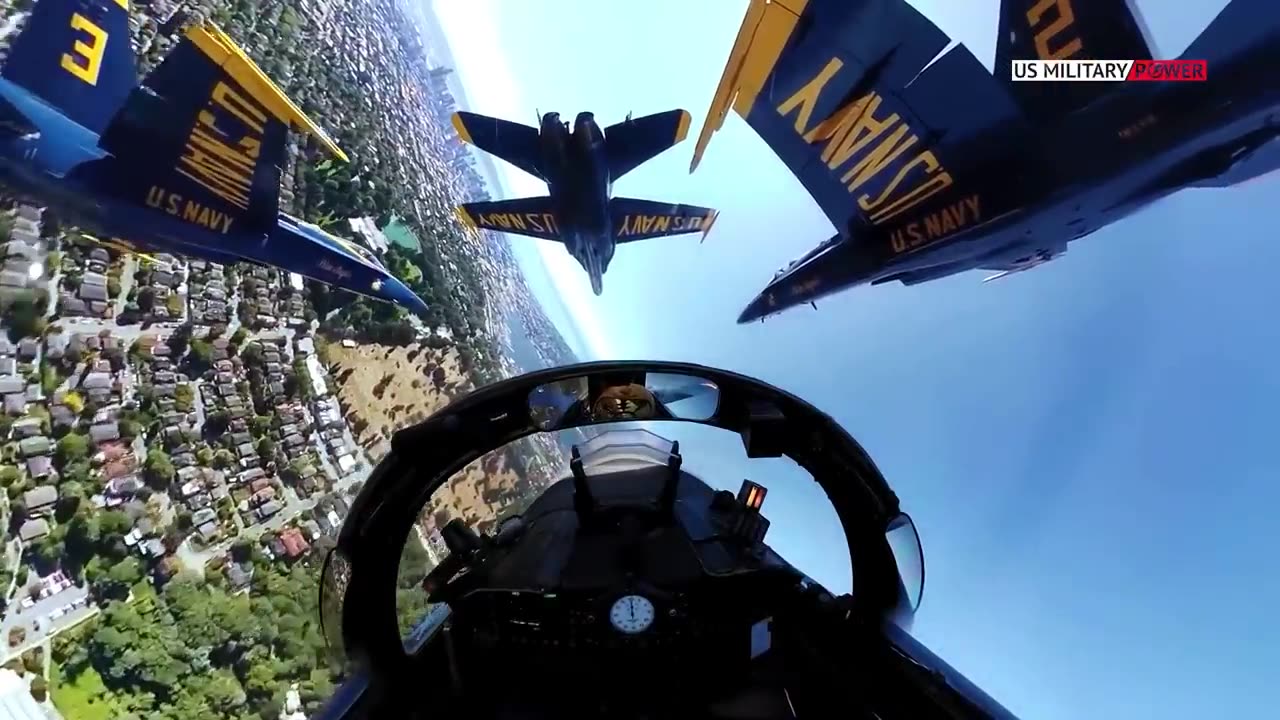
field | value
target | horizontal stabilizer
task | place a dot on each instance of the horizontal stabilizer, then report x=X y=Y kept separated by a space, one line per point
x=222 y=51
x=1066 y=30
x=13 y=121
x=517 y=144
x=204 y=138
x=75 y=55
x=632 y=142
x=855 y=100
x=633 y=219
x=532 y=216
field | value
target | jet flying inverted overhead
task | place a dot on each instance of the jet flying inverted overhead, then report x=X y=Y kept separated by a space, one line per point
x=929 y=165
x=187 y=163
x=579 y=168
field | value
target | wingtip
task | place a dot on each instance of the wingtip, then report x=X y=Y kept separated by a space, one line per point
x=706 y=226
x=682 y=127
x=460 y=127
x=464 y=217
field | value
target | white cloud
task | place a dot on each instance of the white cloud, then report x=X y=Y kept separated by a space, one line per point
x=492 y=90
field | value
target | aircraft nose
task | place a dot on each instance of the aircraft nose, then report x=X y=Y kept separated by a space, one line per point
x=597 y=285
x=755 y=310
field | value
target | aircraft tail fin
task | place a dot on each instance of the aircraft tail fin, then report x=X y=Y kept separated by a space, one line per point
x=517 y=144
x=75 y=55
x=1066 y=30
x=204 y=137
x=531 y=216
x=634 y=141
x=633 y=219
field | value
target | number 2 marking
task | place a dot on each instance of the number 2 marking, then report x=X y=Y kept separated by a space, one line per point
x=1066 y=16
x=86 y=63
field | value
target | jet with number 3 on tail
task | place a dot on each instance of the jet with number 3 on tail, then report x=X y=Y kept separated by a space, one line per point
x=929 y=165
x=187 y=163
x=579 y=168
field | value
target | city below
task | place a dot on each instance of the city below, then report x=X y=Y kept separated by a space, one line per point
x=182 y=438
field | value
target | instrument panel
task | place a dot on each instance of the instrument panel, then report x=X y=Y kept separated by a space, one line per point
x=623 y=624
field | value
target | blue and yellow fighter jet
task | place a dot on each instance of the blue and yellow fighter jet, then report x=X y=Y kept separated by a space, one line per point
x=929 y=165
x=187 y=163
x=579 y=168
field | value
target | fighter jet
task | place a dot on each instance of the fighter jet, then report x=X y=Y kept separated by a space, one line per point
x=579 y=168
x=929 y=165
x=187 y=163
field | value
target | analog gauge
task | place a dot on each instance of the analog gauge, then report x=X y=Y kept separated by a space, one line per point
x=631 y=614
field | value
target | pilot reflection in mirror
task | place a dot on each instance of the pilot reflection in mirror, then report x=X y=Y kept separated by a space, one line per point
x=624 y=402
x=616 y=397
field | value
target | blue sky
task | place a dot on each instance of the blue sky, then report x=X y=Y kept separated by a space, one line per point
x=1087 y=447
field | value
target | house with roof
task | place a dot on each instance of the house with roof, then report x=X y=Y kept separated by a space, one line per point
x=62 y=416
x=10 y=384
x=33 y=446
x=28 y=349
x=27 y=427
x=40 y=467
x=295 y=545
x=40 y=500
x=268 y=509
x=238 y=576
x=105 y=432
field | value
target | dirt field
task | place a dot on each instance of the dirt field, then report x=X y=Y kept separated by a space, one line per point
x=383 y=388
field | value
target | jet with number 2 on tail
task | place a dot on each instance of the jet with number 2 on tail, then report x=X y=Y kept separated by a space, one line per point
x=929 y=165
x=579 y=168
x=187 y=163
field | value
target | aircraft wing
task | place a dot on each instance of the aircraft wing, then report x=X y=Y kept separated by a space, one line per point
x=854 y=98
x=204 y=138
x=518 y=144
x=530 y=216
x=632 y=142
x=633 y=219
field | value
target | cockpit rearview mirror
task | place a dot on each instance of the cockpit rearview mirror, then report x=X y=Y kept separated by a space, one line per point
x=613 y=397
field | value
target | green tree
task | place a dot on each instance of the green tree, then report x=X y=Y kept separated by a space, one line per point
x=121 y=577
x=260 y=425
x=72 y=447
x=158 y=469
x=23 y=318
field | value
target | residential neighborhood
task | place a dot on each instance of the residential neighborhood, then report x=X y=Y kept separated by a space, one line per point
x=173 y=440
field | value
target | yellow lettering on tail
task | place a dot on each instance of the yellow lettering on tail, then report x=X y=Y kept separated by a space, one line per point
x=658 y=224
x=221 y=162
x=865 y=146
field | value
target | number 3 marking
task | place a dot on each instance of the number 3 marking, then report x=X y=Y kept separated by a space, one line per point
x=87 y=61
